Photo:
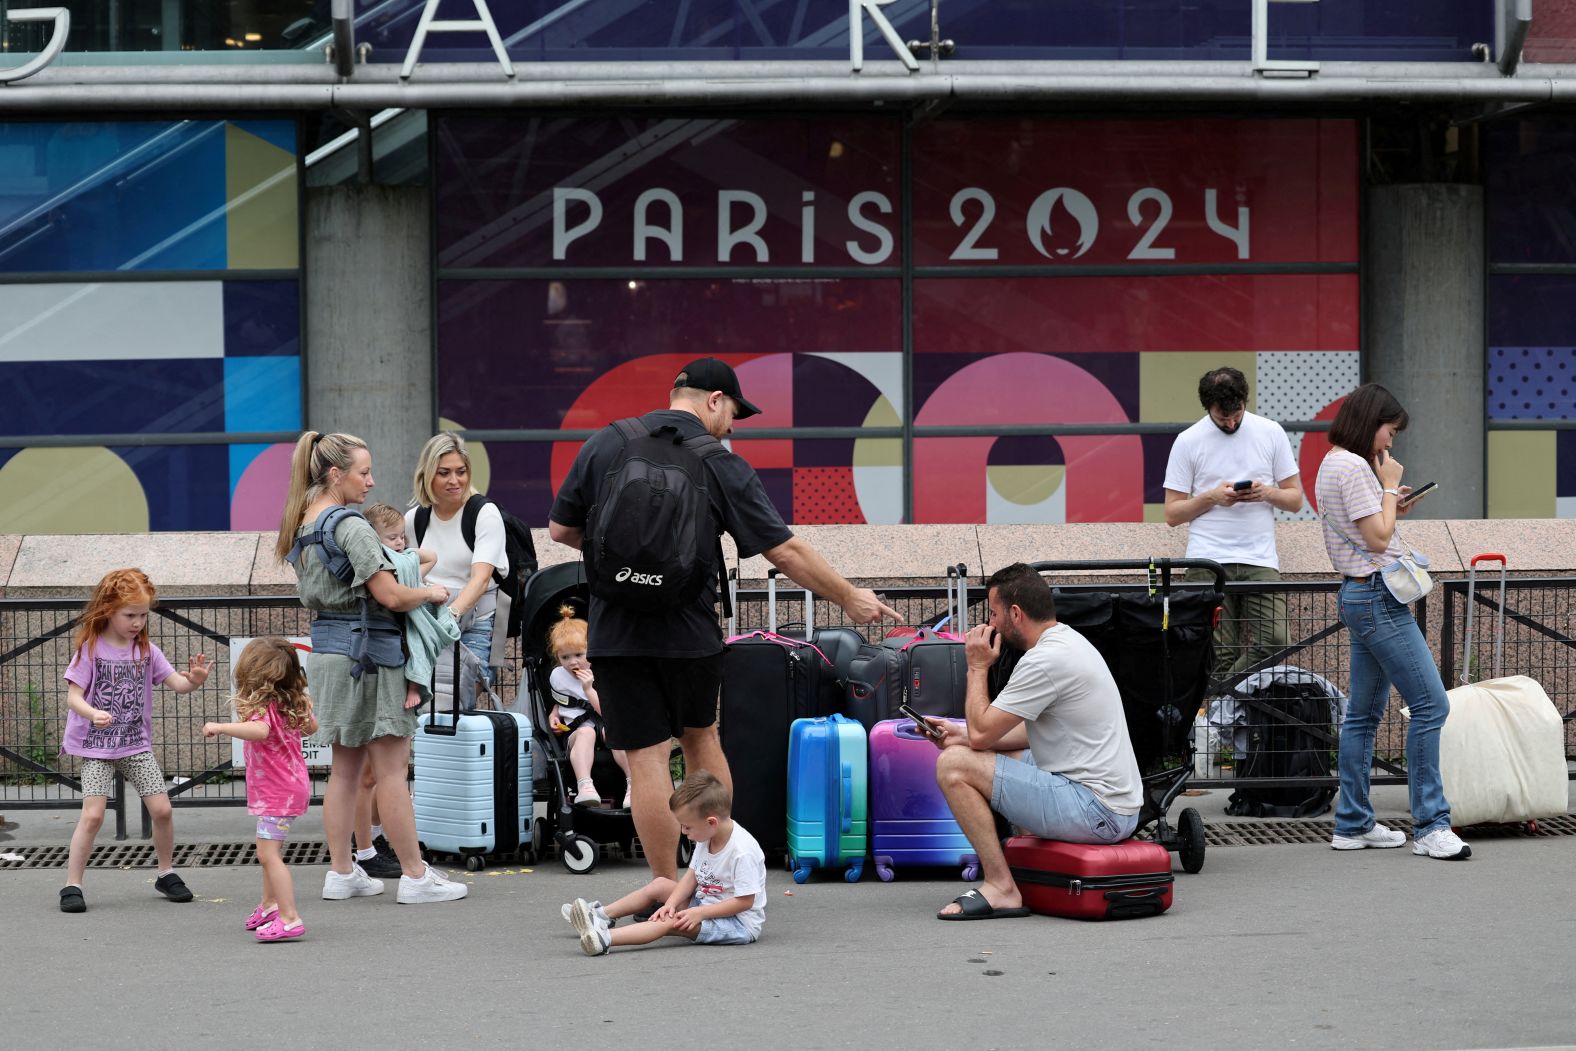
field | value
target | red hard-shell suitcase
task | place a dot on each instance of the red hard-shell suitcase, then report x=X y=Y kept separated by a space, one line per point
x=1087 y=881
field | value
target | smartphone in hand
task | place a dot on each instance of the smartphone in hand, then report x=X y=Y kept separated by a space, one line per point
x=920 y=724
x=1415 y=494
x=1243 y=485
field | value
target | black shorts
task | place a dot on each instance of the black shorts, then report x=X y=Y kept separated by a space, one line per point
x=648 y=700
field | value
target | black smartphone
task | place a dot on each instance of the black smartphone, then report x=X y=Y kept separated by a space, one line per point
x=1422 y=490
x=1239 y=486
x=920 y=724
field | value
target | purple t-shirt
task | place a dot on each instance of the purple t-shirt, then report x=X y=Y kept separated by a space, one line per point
x=118 y=681
x=276 y=777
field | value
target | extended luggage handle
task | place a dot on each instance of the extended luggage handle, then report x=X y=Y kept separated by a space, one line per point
x=958 y=597
x=453 y=726
x=771 y=604
x=1499 y=637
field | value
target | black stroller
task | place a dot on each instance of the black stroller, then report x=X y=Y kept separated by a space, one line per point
x=578 y=831
x=1159 y=642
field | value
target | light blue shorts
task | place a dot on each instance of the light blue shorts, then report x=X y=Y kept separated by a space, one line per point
x=1051 y=806
x=723 y=930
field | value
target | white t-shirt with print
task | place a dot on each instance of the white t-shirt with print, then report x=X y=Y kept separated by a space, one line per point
x=1202 y=457
x=736 y=870
x=1064 y=693
x=445 y=540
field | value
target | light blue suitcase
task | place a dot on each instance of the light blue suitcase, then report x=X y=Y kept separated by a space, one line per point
x=473 y=790
x=828 y=766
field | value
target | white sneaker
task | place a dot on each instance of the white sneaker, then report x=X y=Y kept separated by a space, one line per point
x=357 y=884
x=629 y=790
x=583 y=915
x=595 y=940
x=432 y=886
x=586 y=794
x=1441 y=843
x=1378 y=836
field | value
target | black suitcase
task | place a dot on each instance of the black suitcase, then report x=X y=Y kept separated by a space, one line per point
x=768 y=681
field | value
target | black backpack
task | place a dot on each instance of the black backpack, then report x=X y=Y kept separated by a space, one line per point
x=652 y=538
x=518 y=545
x=1290 y=736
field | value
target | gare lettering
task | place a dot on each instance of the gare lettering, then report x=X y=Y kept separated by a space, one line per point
x=861 y=211
x=1077 y=210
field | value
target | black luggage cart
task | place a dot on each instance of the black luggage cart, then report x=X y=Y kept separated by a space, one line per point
x=1158 y=639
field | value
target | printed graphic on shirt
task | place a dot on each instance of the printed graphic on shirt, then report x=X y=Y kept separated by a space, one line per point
x=118 y=687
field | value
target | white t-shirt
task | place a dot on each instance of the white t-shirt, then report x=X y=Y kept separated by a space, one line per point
x=568 y=693
x=1203 y=457
x=1065 y=695
x=453 y=570
x=738 y=869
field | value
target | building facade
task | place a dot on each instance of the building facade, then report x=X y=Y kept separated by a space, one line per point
x=974 y=279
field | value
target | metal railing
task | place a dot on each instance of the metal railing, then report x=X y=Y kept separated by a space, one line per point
x=35 y=648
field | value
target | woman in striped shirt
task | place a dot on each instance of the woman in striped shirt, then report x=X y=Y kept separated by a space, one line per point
x=1359 y=493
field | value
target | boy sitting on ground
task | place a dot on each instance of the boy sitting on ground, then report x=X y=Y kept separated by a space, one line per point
x=721 y=898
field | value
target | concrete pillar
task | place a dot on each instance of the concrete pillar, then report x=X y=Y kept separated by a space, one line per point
x=369 y=323
x=1423 y=334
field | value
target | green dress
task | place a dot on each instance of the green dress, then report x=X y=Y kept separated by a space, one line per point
x=349 y=711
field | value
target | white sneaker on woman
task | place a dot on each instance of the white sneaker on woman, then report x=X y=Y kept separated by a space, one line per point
x=1378 y=836
x=432 y=886
x=1441 y=843
x=355 y=884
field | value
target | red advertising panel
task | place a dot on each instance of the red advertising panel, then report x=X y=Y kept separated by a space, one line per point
x=1134 y=192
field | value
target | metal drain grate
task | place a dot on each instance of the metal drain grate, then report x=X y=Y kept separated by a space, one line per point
x=1265 y=833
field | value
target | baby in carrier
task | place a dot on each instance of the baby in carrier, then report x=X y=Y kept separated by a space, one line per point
x=577 y=712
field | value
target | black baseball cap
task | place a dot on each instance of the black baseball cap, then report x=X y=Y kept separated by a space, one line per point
x=709 y=374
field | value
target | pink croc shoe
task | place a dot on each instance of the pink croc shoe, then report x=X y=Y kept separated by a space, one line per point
x=261 y=916
x=275 y=931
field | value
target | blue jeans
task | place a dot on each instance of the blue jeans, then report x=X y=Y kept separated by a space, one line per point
x=1388 y=648
x=1051 y=806
x=477 y=637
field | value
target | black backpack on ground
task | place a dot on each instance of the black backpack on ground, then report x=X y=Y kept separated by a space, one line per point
x=1290 y=736
x=652 y=538
x=518 y=545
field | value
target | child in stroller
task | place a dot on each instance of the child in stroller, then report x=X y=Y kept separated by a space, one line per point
x=577 y=712
x=577 y=830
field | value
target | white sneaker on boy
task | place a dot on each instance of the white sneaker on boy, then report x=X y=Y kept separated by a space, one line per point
x=596 y=940
x=431 y=886
x=1441 y=843
x=1378 y=836
x=355 y=884
x=583 y=915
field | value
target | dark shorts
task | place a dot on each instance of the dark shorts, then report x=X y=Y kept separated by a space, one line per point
x=648 y=700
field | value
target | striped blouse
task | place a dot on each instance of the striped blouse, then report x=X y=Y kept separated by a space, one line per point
x=1348 y=490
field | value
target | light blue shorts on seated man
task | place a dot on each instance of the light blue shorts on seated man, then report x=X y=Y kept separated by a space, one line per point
x=1054 y=807
x=722 y=930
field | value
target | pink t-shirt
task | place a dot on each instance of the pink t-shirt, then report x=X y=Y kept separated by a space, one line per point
x=276 y=780
x=119 y=681
x=1349 y=490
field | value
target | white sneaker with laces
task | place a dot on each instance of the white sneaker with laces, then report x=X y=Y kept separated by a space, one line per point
x=1378 y=836
x=355 y=884
x=586 y=793
x=583 y=915
x=1441 y=843
x=432 y=886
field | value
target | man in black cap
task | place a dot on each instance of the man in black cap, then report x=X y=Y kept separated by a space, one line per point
x=658 y=671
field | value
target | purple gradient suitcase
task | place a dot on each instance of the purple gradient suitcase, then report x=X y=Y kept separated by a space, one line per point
x=910 y=822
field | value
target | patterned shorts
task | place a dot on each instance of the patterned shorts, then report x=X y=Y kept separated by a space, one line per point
x=271 y=827
x=141 y=771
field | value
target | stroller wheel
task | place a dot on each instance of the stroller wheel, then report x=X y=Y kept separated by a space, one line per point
x=579 y=854
x=1190 y=833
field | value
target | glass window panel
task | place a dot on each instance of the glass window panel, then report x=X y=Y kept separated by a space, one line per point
x=1532 y=191
x=1049 y=192
x=666 y=191
x=148 y=195
x=578 y=354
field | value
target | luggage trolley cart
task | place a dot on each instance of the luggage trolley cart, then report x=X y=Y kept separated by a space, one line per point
x=1159 y=642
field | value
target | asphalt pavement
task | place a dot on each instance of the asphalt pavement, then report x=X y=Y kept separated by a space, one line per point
x=1295 y=946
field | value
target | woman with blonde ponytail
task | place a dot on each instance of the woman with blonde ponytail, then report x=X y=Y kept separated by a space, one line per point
x=355 y=669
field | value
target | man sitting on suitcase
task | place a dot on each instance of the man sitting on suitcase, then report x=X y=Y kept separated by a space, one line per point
x=1078 y=783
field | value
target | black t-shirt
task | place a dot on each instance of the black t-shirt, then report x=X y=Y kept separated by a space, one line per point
x=741 y=506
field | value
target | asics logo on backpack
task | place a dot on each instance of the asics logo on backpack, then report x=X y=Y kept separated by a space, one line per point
x=649 y=579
